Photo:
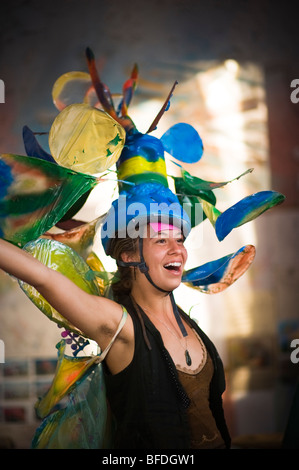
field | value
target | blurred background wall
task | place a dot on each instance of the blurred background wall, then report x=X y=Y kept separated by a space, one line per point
x=234 y=62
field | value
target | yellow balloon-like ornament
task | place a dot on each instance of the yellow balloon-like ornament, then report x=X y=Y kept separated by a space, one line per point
x=71 y=87
x=86 y=139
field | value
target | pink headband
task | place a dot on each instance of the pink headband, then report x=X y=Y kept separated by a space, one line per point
x=158 y=226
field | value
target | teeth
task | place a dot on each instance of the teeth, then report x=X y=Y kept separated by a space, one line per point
x=175 y=264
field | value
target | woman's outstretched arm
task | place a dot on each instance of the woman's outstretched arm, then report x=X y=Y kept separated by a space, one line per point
x=97 y=317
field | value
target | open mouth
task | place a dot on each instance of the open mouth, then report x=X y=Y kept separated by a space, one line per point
x=174 y=267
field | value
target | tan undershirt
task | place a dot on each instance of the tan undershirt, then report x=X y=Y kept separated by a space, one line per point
x=204 y=432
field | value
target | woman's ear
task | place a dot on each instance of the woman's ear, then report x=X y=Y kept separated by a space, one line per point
x=128 y=257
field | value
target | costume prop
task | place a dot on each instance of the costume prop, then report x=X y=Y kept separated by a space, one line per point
x=40 y=190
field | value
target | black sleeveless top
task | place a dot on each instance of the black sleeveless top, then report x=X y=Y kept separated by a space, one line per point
x=147 y=399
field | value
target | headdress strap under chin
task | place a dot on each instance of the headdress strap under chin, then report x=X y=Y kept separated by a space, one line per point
x=142 y=266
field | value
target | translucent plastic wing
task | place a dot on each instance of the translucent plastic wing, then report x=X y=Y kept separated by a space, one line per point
x=63 y=259
x=103 y=278
x=80 y=238
x=68 y=371
x=84 y=422
x=216 y=276
x=35 y=195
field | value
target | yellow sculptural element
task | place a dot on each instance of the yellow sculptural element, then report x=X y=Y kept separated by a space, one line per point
x=86 y=139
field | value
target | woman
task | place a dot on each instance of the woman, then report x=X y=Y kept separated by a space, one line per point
x=164 y=378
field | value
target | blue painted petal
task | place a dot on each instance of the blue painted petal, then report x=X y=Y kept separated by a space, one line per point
x=216 y=276
x=32 y=147
x=246 y=210
x=183 y=142
x=6 y=178
x=207 y=273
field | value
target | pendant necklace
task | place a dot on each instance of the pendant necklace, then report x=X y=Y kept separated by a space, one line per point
x=187 y=354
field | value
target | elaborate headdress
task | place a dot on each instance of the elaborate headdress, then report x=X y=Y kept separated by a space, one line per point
x=42 y=190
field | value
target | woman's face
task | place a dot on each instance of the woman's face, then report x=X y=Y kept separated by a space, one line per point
x=165 y=256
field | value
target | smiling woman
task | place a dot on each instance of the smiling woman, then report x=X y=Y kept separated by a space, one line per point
x=149 y=394
x=156 y=352
x=152 y=350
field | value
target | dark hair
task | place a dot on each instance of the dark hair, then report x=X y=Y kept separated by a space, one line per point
x=123 y=286
x=121 y=289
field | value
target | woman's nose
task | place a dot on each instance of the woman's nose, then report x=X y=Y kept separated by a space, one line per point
x=174 y=246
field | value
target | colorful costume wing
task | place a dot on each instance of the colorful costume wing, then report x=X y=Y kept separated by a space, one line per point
x=80 y=238
x=35 y=195
x=85 y=421
x=69 y=370
x=63 y=259
x=103 y=278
